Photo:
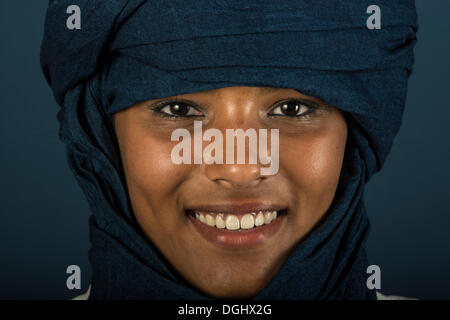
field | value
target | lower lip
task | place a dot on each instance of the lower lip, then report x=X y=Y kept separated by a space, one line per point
x=238 y=239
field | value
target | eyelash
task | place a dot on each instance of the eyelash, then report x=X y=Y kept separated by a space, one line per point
x=310 y=105
x=158 y=107
x=312 y=108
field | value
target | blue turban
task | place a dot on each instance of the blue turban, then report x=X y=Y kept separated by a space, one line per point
x=131 y=51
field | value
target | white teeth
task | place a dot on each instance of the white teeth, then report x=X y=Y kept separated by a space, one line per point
x=233 y=222
x=267 y=217
x=259 y=221
x=210 y=221
x=247 y=221
x=220 y=223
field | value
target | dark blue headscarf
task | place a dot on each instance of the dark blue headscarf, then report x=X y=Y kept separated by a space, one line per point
x=130 y=51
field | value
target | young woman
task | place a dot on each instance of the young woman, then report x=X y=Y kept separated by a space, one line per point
x=149 y=92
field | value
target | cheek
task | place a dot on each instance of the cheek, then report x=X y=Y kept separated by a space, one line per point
x=149 y=163
x=152 y=178
x=312 y=163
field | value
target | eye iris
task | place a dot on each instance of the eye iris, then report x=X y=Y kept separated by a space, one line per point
x=290 y=109
x=179 y=109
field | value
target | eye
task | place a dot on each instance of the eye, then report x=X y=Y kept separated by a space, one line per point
x=291 y=109
x=179 y=109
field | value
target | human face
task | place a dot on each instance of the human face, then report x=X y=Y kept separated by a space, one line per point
x=164 y=196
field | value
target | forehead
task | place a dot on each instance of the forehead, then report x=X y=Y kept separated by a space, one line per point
x=243 y=90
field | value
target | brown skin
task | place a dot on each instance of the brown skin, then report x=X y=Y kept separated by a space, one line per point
x=311 y=155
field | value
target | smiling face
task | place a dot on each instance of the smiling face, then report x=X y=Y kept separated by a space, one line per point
x=215 y=223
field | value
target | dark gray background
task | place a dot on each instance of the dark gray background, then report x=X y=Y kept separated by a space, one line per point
x=43 y=213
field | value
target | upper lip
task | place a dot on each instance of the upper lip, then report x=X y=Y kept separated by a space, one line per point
x=235 y=208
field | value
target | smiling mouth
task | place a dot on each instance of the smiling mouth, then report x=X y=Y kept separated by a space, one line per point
x=237 y=222
x=235 y=226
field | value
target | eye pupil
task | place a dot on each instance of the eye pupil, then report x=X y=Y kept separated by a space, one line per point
x=290 y=109
x=179 y=109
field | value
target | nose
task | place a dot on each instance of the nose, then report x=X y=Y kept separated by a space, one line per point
x=235 y=176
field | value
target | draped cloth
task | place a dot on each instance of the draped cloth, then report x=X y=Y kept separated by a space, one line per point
x=135 y=50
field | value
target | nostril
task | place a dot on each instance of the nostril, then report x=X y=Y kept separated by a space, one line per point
x=235 y=175
x=241 y=184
